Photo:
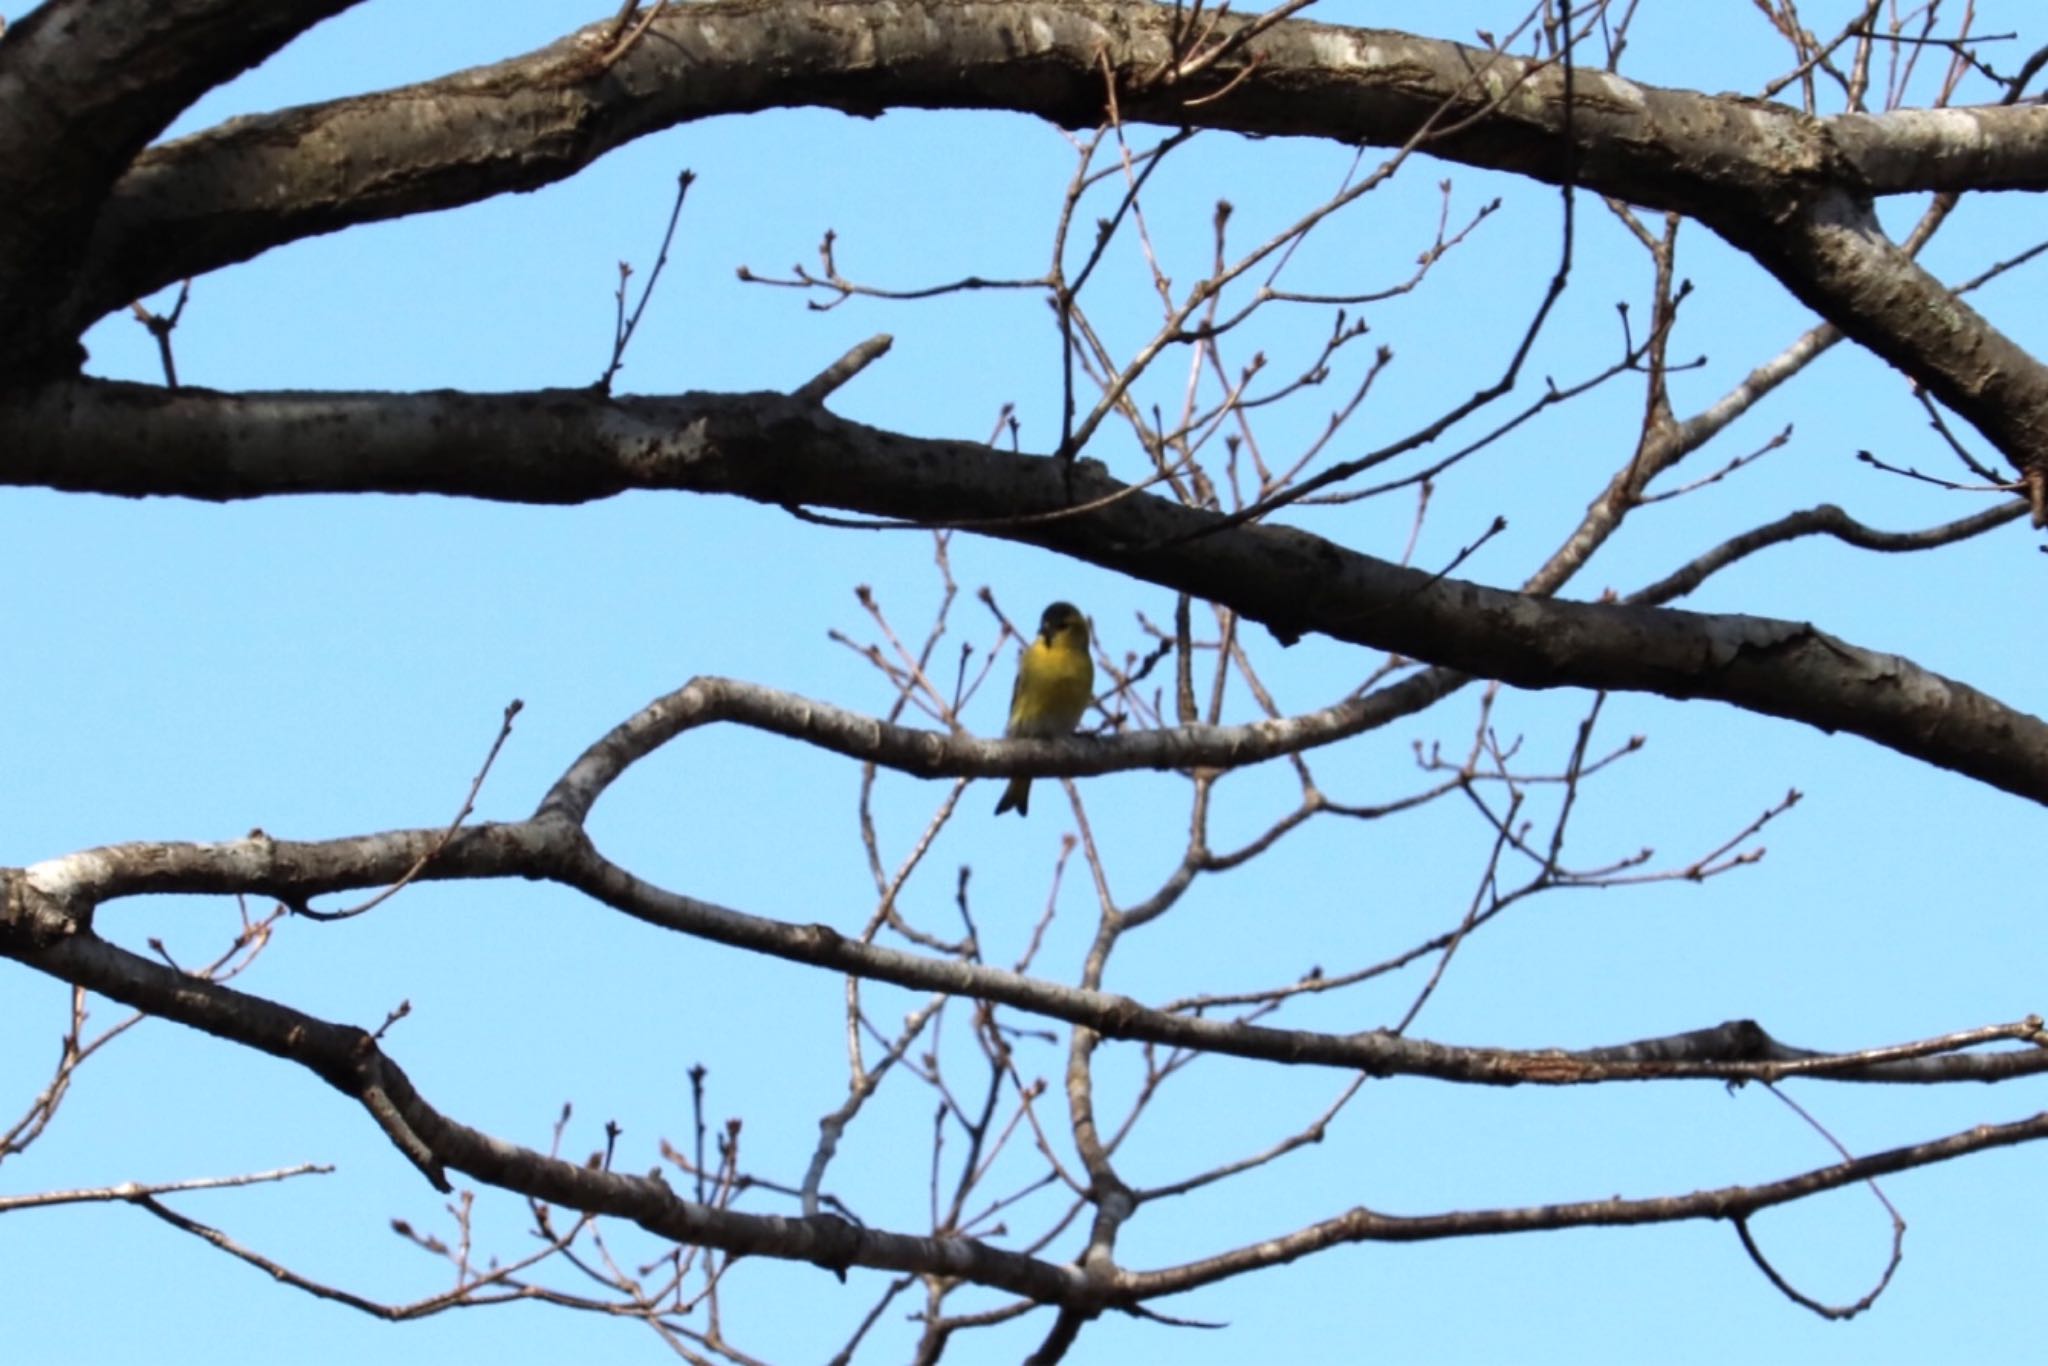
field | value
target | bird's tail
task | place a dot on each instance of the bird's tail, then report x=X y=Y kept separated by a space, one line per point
x=1016 y=797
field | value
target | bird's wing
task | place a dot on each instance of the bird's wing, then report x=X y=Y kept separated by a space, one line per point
x=1016 y=694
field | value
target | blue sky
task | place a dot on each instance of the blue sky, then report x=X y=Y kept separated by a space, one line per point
x=322 y=667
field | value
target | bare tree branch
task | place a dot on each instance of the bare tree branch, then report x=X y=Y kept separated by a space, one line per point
x=1793 y=191
x=105 y=77
x=570 y=446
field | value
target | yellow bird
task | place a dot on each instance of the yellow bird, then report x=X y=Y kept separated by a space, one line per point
x=1055 y=682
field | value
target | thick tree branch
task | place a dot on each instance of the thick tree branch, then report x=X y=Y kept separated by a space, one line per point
x=54 y=902
x=1790 y=189
x=342 y=1056
x=1984 y=147
x=227 y=194
x=41 y=931
x=1835 y=258
x=84 y=86
x=574 y=446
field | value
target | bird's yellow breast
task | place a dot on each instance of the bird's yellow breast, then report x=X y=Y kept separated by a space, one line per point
x=1055 y=680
